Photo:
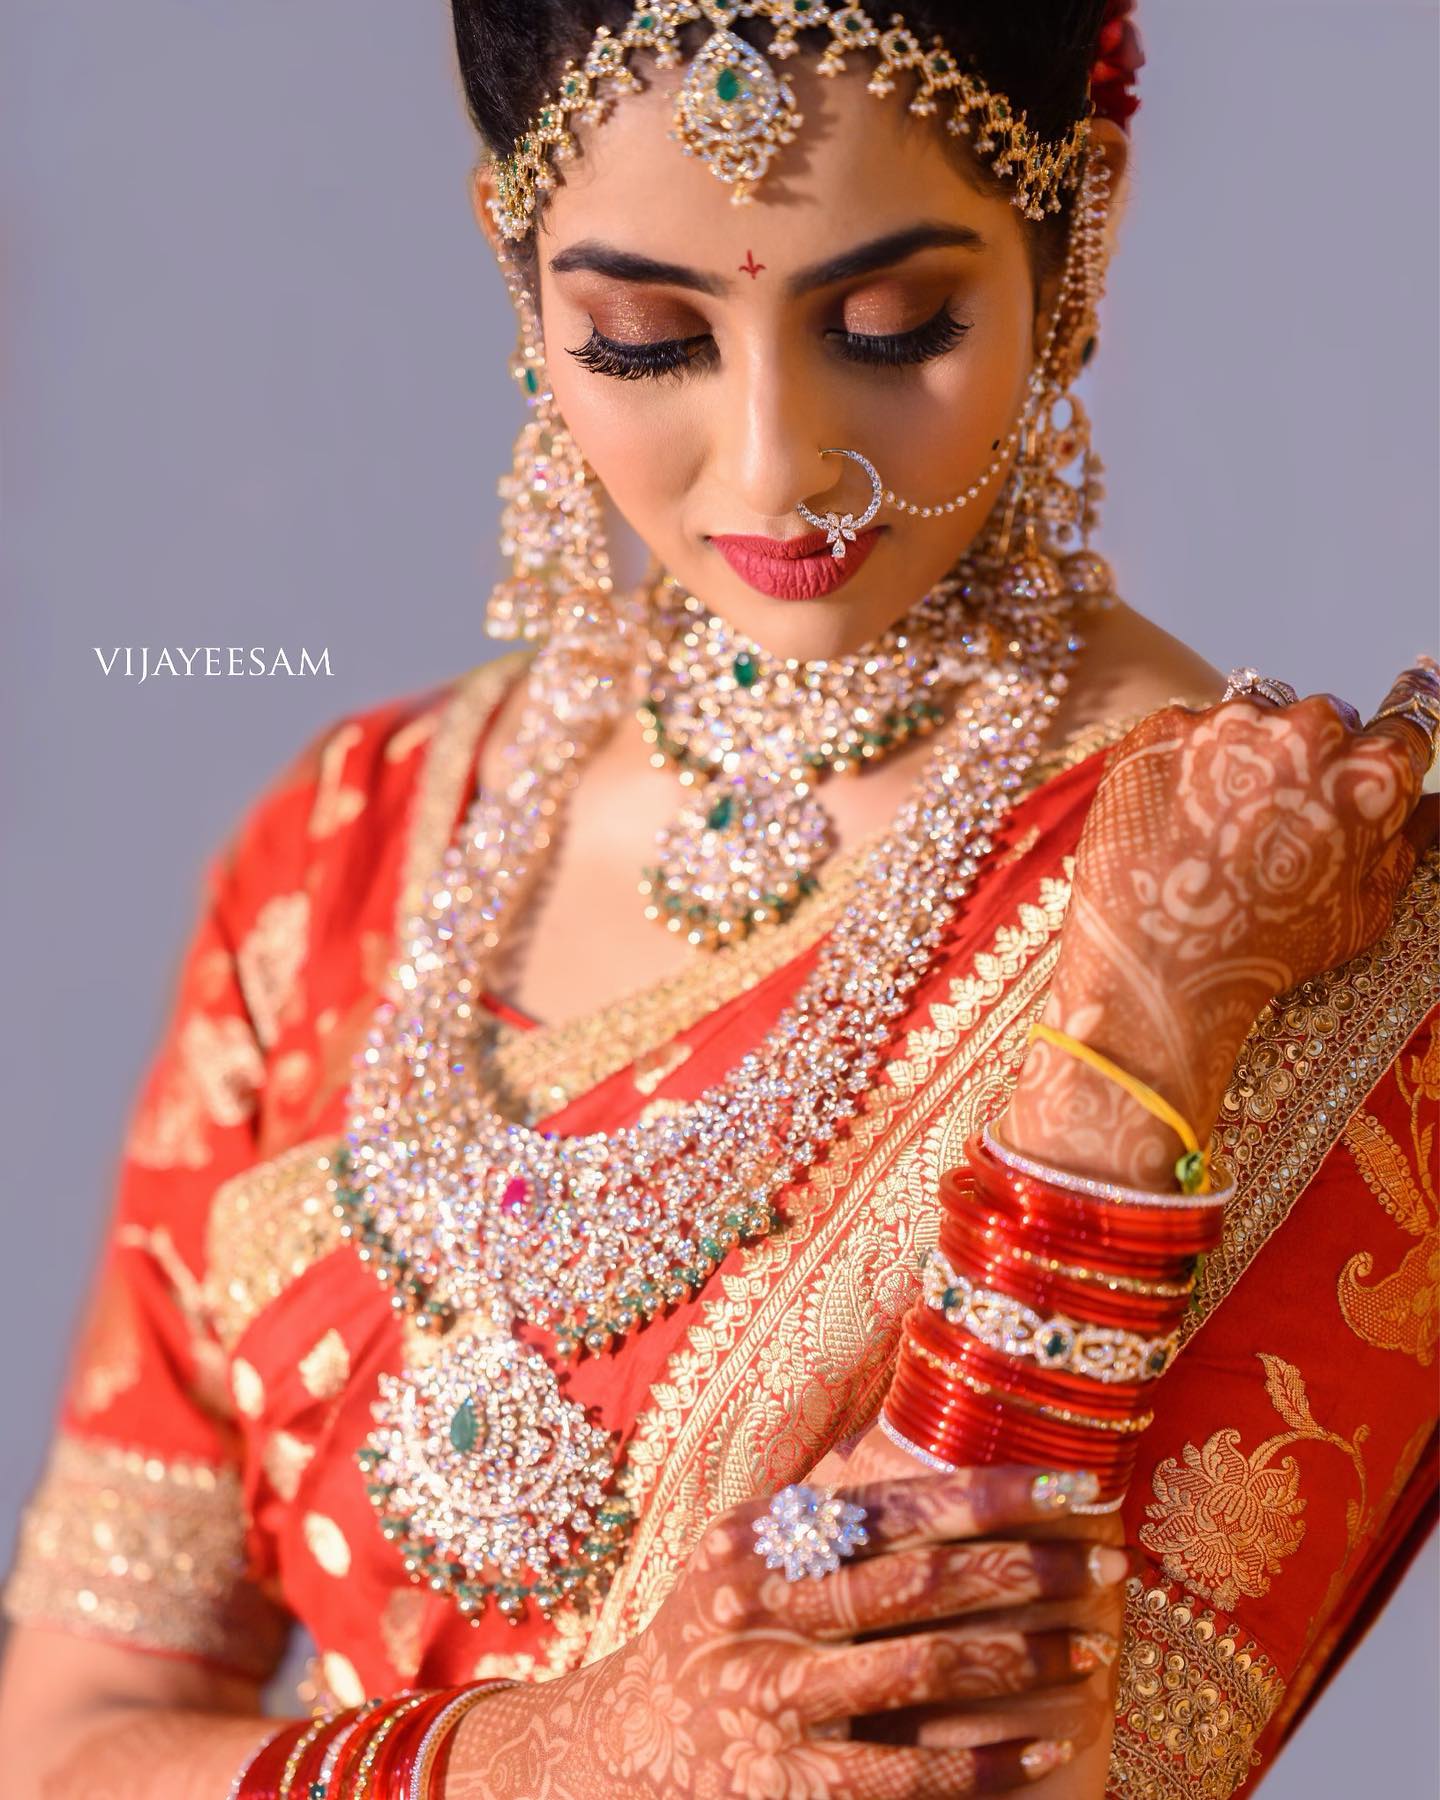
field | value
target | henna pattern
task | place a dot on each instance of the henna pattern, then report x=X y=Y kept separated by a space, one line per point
x=744 y=1684
x=1229 y=854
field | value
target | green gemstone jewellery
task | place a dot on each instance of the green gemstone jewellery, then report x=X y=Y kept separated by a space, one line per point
x=734 y=109
x=751 y=735
x=492 y=1483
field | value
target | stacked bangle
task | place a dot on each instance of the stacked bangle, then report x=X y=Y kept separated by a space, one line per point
x=1051 y=1306
x=397 y=1747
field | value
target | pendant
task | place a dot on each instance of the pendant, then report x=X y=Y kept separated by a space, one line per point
x=491 y=1483
x=733 y=111
x=741 y=852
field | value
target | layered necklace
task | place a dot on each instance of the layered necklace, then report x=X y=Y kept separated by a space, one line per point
x=752 y=735
x=496 y=1487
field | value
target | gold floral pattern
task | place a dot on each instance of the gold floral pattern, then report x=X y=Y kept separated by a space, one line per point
x=1306 y=1067
x=327 y=1543
x=1191 y=1701
x=325 y=1369
x=400 y=1630
x=335 y=804
x=212 y=1079
x=797 y=1350
x=1400 y=1311
x=120 y=1543
x=269 y=960
x=1223 y=1522
x=285 y=1459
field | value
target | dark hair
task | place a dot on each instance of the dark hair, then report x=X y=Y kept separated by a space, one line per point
x=1039 y=54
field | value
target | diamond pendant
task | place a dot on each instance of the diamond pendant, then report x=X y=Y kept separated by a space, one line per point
x=733 y=111
x=491 y=1483
x=741 y=852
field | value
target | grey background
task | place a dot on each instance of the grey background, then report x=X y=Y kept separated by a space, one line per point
x=254 y=393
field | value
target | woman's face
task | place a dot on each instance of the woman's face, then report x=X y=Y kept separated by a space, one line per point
x=703 y=353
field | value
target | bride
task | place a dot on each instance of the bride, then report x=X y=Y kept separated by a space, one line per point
x=538 y=1266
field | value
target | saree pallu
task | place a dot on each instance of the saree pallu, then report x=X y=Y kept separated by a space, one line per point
x=202 y=1491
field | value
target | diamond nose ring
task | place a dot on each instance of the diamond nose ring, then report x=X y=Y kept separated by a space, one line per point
x=842 y=527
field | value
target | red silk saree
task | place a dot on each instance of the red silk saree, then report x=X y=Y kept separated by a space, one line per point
x=202 y=1490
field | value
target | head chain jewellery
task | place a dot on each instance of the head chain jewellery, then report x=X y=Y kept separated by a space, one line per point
x=493 y=1486
x=735 y=110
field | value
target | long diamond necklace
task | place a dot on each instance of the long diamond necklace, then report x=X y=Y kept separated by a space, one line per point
x=490 y=1481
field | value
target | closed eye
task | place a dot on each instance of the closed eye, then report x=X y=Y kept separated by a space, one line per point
x=899 y=349
x=677 y=357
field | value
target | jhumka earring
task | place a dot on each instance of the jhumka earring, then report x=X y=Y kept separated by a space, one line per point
x=1051 y=505
x=552 y=527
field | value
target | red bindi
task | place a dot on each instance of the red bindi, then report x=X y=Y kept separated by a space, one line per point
x=750 y=266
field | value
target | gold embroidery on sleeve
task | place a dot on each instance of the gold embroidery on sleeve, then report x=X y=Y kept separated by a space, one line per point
x=335 y=804
x=121 y=1544
x=212 y=1078
x=1191 y=1701
x=1400 y=1311
x=1222 y=1522
x=269 y=960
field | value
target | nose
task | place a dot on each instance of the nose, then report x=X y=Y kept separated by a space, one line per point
x=768 y=440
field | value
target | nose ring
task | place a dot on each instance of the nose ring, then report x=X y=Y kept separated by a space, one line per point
x=841 y=527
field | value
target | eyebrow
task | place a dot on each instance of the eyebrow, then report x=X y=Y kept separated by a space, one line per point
x=862 y=259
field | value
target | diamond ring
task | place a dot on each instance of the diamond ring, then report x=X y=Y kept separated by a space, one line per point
x=807 y=1530
x=1251 y=682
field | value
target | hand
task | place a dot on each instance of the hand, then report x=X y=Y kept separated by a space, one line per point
x=1229 y=854
x=743 y=1683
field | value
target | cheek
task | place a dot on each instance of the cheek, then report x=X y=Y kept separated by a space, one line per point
x=638 y=451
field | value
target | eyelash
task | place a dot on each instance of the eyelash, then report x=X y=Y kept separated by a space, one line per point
x=679 y=356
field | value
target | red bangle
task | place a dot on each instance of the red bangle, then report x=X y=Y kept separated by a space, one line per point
x=262 y=1776
x=1048 y=1316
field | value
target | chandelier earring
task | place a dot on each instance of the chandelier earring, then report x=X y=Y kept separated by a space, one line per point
x=552 y=527
x=1050 y=506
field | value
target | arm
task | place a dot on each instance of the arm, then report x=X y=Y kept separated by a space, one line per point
x=142 y=1622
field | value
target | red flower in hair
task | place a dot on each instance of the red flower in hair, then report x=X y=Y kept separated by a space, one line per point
x=1118 y=58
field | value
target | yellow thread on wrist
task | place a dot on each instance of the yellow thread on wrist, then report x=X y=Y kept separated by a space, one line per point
x=1193 y=1168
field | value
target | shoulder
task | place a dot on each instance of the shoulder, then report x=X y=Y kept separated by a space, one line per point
x=350 y=794
x=1128 y=667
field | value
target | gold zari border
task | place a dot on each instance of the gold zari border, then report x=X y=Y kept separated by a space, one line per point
x=1305 y=1069
x=123 y=1544
x=267 y=1226
x=1191 y=1702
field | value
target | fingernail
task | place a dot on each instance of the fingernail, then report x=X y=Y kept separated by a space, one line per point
x=1069 y=1487
x=1108 y=1565
x=1044 y=1756
x=1091 y=1650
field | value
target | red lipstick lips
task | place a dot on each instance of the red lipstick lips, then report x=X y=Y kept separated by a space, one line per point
x=798 y=568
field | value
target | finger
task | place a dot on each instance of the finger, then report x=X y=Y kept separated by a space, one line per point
x=1348 y=715
x=965 y=1664
x=940 y=1582
x=966 y=1503
x=875 y=1772
x=1073 y=1714
x=1410 y=713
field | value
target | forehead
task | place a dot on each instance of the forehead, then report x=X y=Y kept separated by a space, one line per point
x=859 y=166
